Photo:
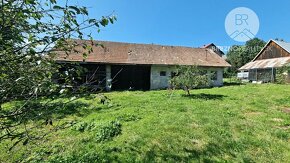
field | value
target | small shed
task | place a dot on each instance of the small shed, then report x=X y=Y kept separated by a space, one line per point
x=263 y=67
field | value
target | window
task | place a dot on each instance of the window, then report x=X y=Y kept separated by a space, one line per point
x=213 y=75
x=162 y=73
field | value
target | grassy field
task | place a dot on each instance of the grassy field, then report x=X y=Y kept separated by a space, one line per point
x=242 y=123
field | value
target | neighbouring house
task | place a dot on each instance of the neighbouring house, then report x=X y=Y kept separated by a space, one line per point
x=213 y=47
x=142 y=66
x=263 y=67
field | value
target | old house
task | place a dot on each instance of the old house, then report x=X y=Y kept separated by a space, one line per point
x=213 y=47
x=263 y=67
x=143 y=66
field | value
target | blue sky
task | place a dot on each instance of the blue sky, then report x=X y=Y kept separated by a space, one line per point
x=185 y=22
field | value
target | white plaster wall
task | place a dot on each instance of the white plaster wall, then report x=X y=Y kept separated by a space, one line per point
x=219 y=82
x=157 y=81
x=162 y=82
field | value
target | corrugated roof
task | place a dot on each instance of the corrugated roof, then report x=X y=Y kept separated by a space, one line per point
x=127 y=53
x=266 y=63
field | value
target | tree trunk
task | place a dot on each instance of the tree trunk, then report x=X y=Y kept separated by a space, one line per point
x=187 y=90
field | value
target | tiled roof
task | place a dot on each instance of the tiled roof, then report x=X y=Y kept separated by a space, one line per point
x=214 y=48
x=128 y=53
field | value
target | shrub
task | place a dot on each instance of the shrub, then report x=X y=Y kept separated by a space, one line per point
x=108 y=131
x=85 y=126
x=282 y=74
x=81 y=126
x=104 y=131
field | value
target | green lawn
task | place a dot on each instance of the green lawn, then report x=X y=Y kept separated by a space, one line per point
x=242 y=123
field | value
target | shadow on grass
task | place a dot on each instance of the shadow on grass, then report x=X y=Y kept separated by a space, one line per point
x=210 y=153
x=204 y=96
x=34 y=117
x=35 y=111
x=233 y=84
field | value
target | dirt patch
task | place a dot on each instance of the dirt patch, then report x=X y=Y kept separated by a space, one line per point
x=277 y=120
x=286 y=110
x=198 y=143
x=284 y=127
x=194 y=125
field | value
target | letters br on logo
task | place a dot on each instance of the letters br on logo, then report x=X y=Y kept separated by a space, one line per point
x=242 y=24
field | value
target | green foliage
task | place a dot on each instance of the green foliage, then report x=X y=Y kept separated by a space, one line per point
x=282 y=74
x=108 y=130
x=30 y=32
x=279 y=39
x=239 y=55
x=232 y=81
x=82 y=126
x=190 y=77
x=103 y=131
x=253 y=47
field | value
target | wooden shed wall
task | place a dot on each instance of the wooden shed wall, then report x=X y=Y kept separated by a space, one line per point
x=273 y=51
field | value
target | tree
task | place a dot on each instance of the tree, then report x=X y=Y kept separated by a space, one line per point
x=236 y=58
x=282 y=74
x=239 y=55
x=29 y=31
x=253 y=47
x=279 y=39
x=190 y=77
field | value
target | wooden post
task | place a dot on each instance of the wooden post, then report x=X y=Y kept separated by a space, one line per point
x=272 y=75
x=108 y=78
x=256 y=75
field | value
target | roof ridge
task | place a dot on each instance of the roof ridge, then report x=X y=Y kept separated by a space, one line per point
x=130 y=43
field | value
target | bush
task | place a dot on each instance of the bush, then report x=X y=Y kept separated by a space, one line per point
x=108 y=131
x=282 y=75
x=82 y=126
x=104 y=131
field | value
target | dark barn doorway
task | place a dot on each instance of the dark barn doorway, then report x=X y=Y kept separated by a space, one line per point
x=92 y=76
x=134 y=77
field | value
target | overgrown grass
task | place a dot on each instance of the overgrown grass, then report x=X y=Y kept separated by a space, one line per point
x=242 y=123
